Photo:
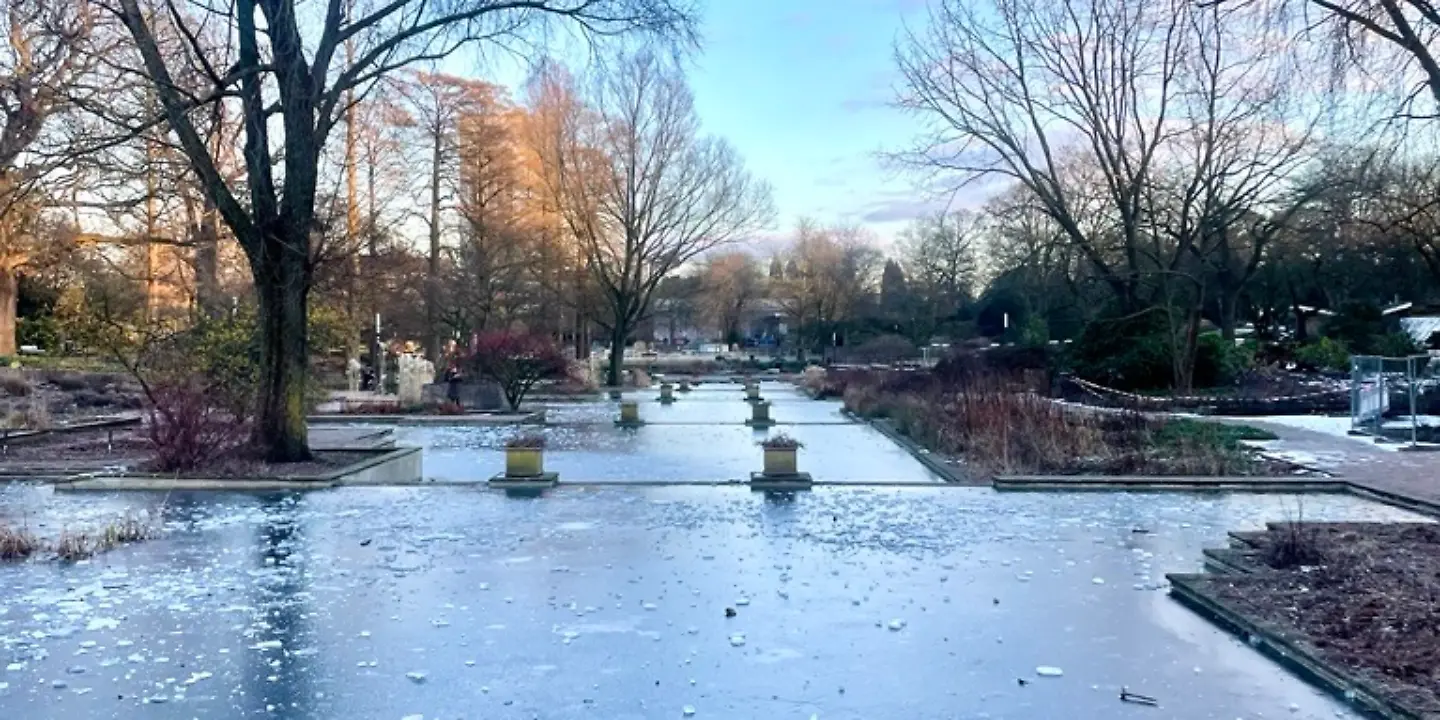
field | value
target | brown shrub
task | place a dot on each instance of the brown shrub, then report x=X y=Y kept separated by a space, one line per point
x=1000 y=428
x=32 y=415
x=15 y=384
x=186 y=428
x=17 y=543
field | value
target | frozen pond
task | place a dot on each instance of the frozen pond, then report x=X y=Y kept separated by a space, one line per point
x=458 y=602
x=699 y=438
x=610 y=600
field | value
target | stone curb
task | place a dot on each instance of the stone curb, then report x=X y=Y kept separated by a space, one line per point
x=1160 y=483
x=372 y=471
x=1255 y=484
x=946 y=472
x=403 y=420
x=1354 y=691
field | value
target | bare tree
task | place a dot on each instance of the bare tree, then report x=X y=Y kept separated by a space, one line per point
x=939 y=256
x=1008 y=85
x=1374 y=33
x=730 y=283
x=41 y=59
x=645 y=192
x=437 y=104
x=292 y=85
x=828 y=273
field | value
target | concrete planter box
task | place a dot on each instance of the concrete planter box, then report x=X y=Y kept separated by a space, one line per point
x=524 y=462
x=667 y=393
x=629 y=414
x=399 y=466
x=780 y=461
x=781 y=473
x=684 y=386
x=752 y=392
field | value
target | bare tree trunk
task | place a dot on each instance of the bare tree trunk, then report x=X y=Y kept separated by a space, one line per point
x=353 y=320
x=9 y=296
x=617 y=355
x=283 y=288
x=432 y=274
x=207 y=259
x=151 y=221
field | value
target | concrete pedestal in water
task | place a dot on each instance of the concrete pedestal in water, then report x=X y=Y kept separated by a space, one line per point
x=629 y=414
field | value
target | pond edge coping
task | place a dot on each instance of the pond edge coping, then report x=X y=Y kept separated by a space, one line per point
x=523 y=418
x=948 y=474
x=388 y=467
x=1355 y=692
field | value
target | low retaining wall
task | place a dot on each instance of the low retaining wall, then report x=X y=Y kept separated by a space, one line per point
x=474 y=396
x=1184 y=588
x=400 y=466
x=1195 y=483
x=468 y=419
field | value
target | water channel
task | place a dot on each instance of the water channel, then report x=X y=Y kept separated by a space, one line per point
x=610 y=600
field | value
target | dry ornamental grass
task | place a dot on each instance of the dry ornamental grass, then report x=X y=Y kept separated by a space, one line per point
x=20 y=544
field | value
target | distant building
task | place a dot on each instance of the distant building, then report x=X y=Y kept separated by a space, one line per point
x=1420 y=322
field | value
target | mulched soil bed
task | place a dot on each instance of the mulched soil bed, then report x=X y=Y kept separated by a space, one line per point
x=241 y=467
x=76 y=450
x=89 y=451
x=1370 y=605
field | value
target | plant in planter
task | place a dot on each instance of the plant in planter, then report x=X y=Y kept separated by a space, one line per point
x=780 y=451
x=525 y=456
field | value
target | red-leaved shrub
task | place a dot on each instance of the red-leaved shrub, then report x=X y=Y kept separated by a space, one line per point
x=516 y=362
x=186 y=427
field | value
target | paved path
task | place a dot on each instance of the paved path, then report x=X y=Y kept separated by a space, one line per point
x=1359 y=460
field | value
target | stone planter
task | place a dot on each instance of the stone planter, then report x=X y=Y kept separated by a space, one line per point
x=524 y=462
x=667 y=393
x=760 y=416
x=780 y=461
x=525 y=472
x=781 y=473
x=752 y=391
x=684 y=386
x=629 y=414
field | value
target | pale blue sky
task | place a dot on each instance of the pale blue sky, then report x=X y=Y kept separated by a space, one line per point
x=803 y=89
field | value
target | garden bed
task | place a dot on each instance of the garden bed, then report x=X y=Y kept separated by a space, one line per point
x=996 y=426
x=328 y=468
x=65 y=451
x=1363 y=603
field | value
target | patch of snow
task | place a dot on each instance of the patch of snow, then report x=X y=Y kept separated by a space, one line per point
x=1049 y=671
